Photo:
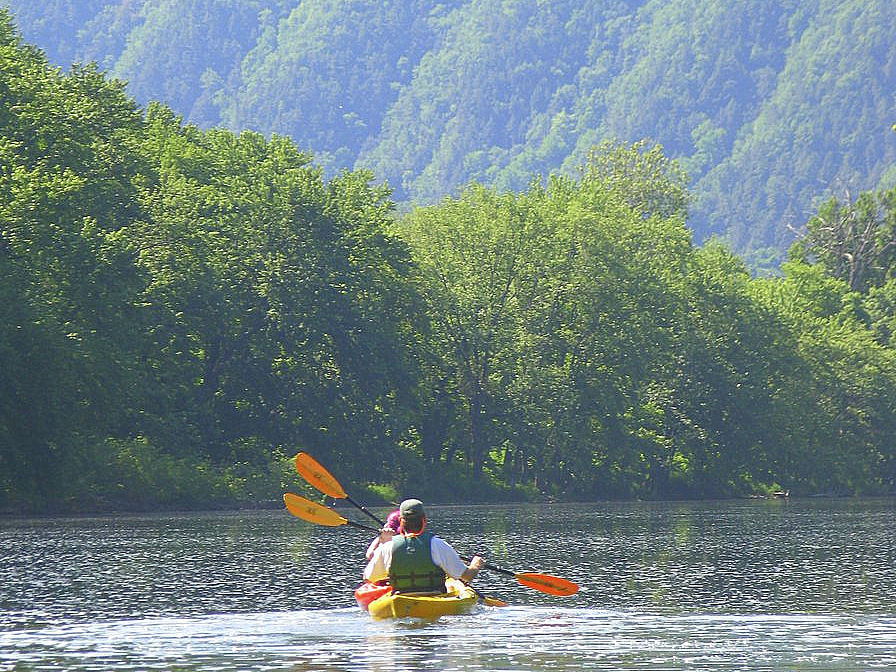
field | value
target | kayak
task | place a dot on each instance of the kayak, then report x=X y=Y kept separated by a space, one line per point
x=459 y=599
x=367 y=592
x=381 y=602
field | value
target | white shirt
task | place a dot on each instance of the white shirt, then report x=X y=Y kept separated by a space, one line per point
x=442 y=554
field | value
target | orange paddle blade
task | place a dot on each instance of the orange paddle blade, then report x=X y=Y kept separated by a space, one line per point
x=548 y=584
x=312 y=511
x=313 y=472
x=493 y=601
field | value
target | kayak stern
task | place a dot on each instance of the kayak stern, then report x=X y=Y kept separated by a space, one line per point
x=459 y=599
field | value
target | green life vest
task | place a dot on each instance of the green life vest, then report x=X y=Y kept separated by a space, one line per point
x=412 y=569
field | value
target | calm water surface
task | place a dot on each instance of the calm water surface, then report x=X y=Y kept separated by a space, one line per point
x=751 y=585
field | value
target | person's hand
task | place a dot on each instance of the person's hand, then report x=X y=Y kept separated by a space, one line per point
x=472 y=569
x=386 y=535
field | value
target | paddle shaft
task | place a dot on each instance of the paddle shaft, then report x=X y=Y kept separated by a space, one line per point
x=362 y=508
x=361 y=526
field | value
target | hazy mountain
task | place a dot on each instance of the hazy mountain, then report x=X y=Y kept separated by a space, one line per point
x=771 y=107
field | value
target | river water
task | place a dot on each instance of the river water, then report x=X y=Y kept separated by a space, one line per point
x=738 y=585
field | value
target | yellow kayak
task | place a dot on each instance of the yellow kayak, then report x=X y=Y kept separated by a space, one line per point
x=459 y=599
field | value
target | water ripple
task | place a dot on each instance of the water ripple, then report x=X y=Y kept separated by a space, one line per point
x=517 y=638
x=709 y=586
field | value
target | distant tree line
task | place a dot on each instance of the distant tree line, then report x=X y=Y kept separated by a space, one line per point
x=181 y=310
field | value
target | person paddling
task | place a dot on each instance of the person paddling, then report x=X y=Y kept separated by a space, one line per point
x=417 y=561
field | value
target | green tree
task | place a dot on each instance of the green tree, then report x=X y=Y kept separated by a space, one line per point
x=840 y=392
x=283 y=307
x=473 y=252
x=550 y=306
x=69 y=181
x=184 y=52
x=854 y=241
x=727 y=378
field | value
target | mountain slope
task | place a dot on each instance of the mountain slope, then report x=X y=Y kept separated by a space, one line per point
x=769 y=107
x=825 y=128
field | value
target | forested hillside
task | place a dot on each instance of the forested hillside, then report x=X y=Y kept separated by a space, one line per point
x=182 y=309
x=770 y=107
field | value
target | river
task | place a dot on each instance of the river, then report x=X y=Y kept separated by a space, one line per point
x=773 y=585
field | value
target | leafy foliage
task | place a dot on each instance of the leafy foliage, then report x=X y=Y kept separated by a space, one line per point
x=200 y=293
x=182 y=309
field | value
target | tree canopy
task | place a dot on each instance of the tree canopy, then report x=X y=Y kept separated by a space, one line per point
x=184 y=308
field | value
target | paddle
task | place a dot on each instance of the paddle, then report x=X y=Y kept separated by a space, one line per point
x=313 y=472
x=320 y=514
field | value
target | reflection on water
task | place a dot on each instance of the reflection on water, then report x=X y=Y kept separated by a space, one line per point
x=800 y=585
